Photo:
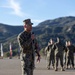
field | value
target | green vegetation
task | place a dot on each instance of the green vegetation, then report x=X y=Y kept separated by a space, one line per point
x=63 y=27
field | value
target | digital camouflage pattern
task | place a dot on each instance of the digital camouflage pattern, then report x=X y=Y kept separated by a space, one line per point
x=27 y=53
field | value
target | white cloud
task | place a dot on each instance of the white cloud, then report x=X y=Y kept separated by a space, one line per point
x=15 y=6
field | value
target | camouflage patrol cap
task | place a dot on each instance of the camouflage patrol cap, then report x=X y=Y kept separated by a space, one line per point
x=28 y=22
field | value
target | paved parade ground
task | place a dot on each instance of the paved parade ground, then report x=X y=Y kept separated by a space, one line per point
x=13 y=67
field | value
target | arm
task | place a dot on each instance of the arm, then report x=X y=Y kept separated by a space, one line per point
x=24 y=43
x=38 y=58
x=37 y=49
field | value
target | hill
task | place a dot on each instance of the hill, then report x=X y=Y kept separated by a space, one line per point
x=63 y=27
x=7 y=31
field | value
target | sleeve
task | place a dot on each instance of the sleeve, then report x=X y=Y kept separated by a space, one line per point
x=36 y=44
x=37 y=52
x=54 y=46
x=46 y=49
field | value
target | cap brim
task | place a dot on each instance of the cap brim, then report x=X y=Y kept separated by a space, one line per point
x=31 y=23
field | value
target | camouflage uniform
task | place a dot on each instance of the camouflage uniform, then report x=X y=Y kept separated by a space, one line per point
x=59 y=51
x=50 y=56
x=70 y=55
x=27 y=53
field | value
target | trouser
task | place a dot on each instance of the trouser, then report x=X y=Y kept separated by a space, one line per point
x=57 y=57
x=27 y=64
x=64 y=58
x=70 y=60
x=50 y=60
x=27 y=67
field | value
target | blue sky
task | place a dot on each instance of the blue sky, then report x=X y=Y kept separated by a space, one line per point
x=13 y=12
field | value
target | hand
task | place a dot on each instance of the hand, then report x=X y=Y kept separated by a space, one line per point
x=38 y=59
x=32 y=37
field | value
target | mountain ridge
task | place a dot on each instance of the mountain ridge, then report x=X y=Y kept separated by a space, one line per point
x=59 y=21
x=63 y=27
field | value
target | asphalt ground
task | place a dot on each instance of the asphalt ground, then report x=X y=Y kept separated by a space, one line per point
x=13 y=67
